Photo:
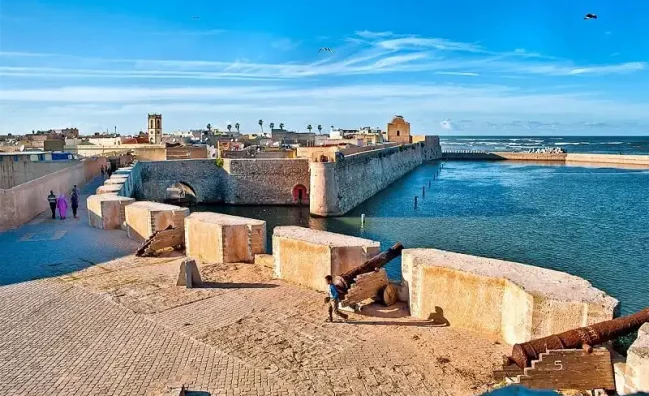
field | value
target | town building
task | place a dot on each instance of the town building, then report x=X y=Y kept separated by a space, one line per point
x=399 y=130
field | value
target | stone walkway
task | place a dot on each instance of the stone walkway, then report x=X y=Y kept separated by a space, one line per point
x=45 y=247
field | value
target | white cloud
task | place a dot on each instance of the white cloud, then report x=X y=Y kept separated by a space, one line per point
x=373 y=35
x=446 y=124
x=284 y=44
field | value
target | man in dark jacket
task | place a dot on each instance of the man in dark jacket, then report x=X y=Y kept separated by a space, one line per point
x=52 y=200
x=74 y=199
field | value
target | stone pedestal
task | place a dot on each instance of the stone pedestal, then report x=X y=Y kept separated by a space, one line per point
x=305 y=256
x=220 y=238
x=109 y=188
x=143 y=218
x=106 y=211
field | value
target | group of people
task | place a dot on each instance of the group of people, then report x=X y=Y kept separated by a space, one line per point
x=106 y=170
x=61 y=203
x=547 y=150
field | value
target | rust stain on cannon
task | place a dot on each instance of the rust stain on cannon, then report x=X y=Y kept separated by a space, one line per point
x=582 y=337
x=344 y=281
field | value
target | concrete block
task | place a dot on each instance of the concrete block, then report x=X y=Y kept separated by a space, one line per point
x=305 y=256
x=143 y=218
x=109 y=188
x=107 y=211
x=189 y=275
x=221 y=238
x=116 y=180
x=636 y=376
x=513 y=301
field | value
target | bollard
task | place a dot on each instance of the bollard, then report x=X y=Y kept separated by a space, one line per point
x=428 y=183
x=423 y=191
x=415 y=202
x=363 y=220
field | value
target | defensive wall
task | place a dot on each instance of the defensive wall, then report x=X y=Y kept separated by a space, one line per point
x=338 y=187
x=230 y=181
x=19 y=169
x=25 y=201
x=640 y=161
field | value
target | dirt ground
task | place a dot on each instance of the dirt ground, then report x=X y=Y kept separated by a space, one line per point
x=280 y=328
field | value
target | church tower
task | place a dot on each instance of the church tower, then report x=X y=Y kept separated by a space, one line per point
x=155 y=128
x=399 y=130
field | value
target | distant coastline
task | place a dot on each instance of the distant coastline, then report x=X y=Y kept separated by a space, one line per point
x=627 y=145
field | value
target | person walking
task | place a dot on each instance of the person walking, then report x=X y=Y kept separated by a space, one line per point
x=109 y=170
x=103 y=172
x=74 y=200
x=333 y=300
x=52 y=200
x=62 y=204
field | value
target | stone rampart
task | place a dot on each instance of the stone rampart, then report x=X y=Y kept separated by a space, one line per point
x=639 y=160
x=305 y=256
x=513 y=301
x=236 y=181
x=338 y=187
x=14 y=173
x=26 y=201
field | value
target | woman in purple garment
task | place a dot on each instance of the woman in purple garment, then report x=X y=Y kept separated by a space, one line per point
x=62 y=204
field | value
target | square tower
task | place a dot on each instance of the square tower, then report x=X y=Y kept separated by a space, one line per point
x=399 y=130
x=154 y=125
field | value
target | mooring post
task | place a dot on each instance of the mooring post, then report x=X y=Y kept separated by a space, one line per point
x=363 y=220
x=423 y=191
x=415 y=202
x=428 y=183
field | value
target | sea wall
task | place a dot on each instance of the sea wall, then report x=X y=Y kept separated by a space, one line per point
x=15 y=172
x=640 y=160
x=513 y=301
x=338 y=187
x=26 y=201
x=234 y=181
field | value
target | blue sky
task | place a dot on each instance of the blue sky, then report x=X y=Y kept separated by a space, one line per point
x=492 y=68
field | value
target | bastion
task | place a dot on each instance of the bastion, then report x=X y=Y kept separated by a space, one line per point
x=305 y=256
x=515 y=302
x=221 y=238
x=144 y=218
x=109 y=188
x=106 y=211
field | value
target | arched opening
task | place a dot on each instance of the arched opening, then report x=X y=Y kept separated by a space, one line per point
x=324 y=158
x=151 y=125
x=157 y=123
x=300 y=194
x=398 y=133
x=181 y=194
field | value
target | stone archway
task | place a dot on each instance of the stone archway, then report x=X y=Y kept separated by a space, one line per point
x=300 y=194
x=181 y=193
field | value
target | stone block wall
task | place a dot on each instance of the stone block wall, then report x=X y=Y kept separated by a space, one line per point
x=513 y=301
x=305 y=256
x=632 y=376
x=107 y=212
x=338 y=187
x=144 y=218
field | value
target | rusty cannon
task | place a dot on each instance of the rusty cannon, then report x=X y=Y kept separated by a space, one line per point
x=368 y=280
x=583 y=337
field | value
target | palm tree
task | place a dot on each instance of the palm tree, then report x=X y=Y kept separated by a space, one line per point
x=271 y=125
x=320 y=129
x=209 y=127
x=261 y=125
x=229 y=128
x=281 y=126
x=236 y=126
x=309 y=127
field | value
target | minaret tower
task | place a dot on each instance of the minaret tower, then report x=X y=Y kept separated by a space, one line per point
x=155 y=128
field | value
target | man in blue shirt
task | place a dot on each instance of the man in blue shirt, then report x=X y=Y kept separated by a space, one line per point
x=334 y=299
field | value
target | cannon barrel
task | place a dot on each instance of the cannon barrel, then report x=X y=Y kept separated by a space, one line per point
x=344 y=281
x=598 y=333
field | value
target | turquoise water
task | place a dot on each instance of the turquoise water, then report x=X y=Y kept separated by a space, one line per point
x=590 y=222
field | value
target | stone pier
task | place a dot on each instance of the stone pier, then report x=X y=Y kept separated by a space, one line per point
x=106 y=211
x=144 y=218
x=513 y=301
x=221 y=238
x=305 y=256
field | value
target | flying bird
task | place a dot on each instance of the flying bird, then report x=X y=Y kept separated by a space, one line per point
x=196 y=17
x=326 y=49
x=590 y=16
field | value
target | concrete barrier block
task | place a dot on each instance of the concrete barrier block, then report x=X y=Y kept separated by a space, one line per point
x=516 y=302
x=143 y=218
x=116 y=180
x=305 y=256
x=109 y=188
x=221 y=238
x=107 y=211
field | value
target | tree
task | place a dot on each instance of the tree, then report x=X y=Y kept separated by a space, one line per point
x=281 y=126
x=320 y=129
x=261 y=125
x=236 y=126
x=229 y=128
x=271 y=125
x=209 y=127
x=309 y=127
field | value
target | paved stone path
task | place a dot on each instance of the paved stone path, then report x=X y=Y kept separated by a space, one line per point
x=45 y=247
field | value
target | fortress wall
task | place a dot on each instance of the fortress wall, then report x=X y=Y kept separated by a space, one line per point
x=512 y=301
x=338 y=187
x=236 y=182
x=640 y=160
